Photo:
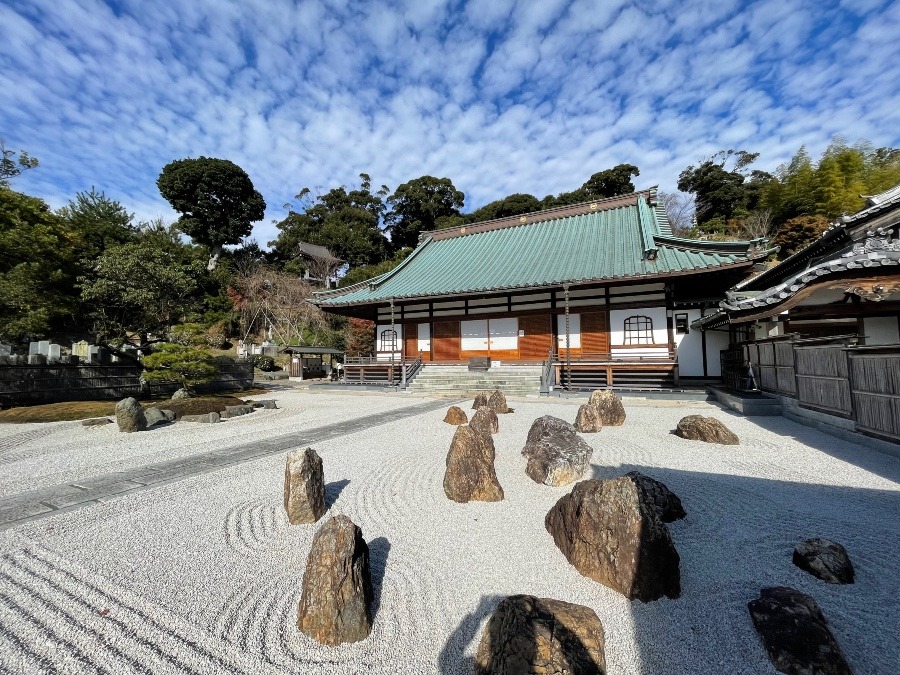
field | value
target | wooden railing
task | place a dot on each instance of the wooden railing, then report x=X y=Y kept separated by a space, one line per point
x=371 y=370
x=558 y=367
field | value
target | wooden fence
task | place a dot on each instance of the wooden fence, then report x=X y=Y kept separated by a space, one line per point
x=24 y=385
x=831 y=376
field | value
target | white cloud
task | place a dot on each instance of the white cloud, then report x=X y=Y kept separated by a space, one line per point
x=500 y=96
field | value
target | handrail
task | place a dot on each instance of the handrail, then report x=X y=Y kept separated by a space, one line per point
x=548 y=374
x=411 y=371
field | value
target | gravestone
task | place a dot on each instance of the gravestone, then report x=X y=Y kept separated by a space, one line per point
x=93 y=354
x=53 y=352
x=34 y=348
x=80 y=349
x=5 y=350
x=44 y=347
x=37 y=360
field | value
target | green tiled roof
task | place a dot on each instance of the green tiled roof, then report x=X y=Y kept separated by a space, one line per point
x=621 y=238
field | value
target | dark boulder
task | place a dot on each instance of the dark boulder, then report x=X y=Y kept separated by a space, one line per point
x=130 y=416
x=667 y=503
x=824 y=559
x=706 y=429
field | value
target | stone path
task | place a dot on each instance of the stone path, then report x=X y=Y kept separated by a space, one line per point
x=36 y=504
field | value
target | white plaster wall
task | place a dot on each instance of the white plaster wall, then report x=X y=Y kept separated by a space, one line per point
x=690 y=346
x=716 y=341
x=617 y=324
x=881 y=330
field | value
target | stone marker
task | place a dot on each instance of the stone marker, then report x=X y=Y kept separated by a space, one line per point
x=795 y=633
x=304 y=487
x=539 y=635
x=470 y=474
x=130 y=415
x=155 y=416
x=609 y=407
x=37 y=360
x=96 y=422
x=556 y=454
x=337 y=585
x=667 y=503
x=706 y=429
x=456 y=415
x=53 y=352
x=824 y=559
x=180 y=394
x=208 y=418
x=485 y=419
x=497 y=402
x=5 y=350
x=588 y=419
x=610 y=532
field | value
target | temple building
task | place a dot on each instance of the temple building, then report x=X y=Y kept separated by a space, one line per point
x=602 y=291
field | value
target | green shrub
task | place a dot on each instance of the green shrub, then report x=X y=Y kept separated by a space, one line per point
x=172 y=362
x=263 y=363
x=187 y=334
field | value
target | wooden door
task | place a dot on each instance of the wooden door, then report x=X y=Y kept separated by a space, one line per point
x=410 y=340
x=595 y=333
x=537 y=337
x=445 y=341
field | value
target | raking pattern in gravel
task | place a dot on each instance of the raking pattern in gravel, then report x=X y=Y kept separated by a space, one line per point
x=36 y=504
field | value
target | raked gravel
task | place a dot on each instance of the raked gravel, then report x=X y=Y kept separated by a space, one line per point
x=203 y=575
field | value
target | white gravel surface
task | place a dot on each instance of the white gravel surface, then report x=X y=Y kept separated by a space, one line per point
x=203 y=575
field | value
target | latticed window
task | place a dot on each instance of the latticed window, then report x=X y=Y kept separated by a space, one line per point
x=638 y=330
x=388 y=341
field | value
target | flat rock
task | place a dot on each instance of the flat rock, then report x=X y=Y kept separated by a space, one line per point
x=587 y=421
x=304 y=486
x=96 y=422
x=470 y=474
x=609 y=407
x=706 y=429
x=155 y=416
x=667 y=503
x=456 y=415
x=206 y=418
x=824 y=559
x=497 y=402
x=236 y=411
x=540 y=635
x=130 y=416
x=181 y=394
x=556 y=454
x=611 y=532
x=485 y=419
x=795 y=633
x=336 y=598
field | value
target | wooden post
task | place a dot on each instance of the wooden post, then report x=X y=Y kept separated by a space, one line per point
x=393 y=340
x=568 y=344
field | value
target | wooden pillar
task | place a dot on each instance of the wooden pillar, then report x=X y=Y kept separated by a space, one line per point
x=568 y=345
x=393 y=340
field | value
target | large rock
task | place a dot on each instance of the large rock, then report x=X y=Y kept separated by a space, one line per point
x=556 y=454
x=169 y=414
x=155 y=416
x=497 y=402
x=588 y=419
x=825 y=559
x=470 y=474
x=481 y=399
x=456 y=416
x=609 y=407
x=611 y=532
x=335 y=603
x=130 y=416
x=706 y=429
x=304 y=486
x=485 y=419
x=235 y=411
x=795 y=633
x=667 y=503
x=539 y=635
x=181 y=394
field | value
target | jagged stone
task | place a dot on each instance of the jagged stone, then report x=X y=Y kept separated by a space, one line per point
x=610 y=531
x=540 y=635
x=556 y=454
x=304 y=486
x=609 y=407
x=481 y=399
x=795 y=633
x=456 y=416
x=667 y=503
x=497 y=402
x=588 y=419
x=485 y=419
x=130 y=416
x=824 y=559
x=470 y=474
x=96 y=422
x=706 y=429
x=336 y=598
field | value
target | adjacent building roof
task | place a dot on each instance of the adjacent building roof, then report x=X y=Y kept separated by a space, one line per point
x=625 y=237
x=316 y=251
x=295 y=349
x=857 y=245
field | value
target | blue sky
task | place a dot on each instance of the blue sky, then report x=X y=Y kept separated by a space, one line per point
x=498 y=95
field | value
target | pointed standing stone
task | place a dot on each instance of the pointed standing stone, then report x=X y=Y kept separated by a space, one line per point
x=470 y=474
x=335 y=603
x=588 y=419
x=304 y=487
x=609 y=407
x=485 y=419
x=130 y=415
x=456 y=416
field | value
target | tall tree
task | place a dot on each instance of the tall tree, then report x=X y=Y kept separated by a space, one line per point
x=216 y=199
x=417 y=205
x=10 y=167
x=512 y=205
x=601 y=185
x=99 y=223
x=720 y=192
